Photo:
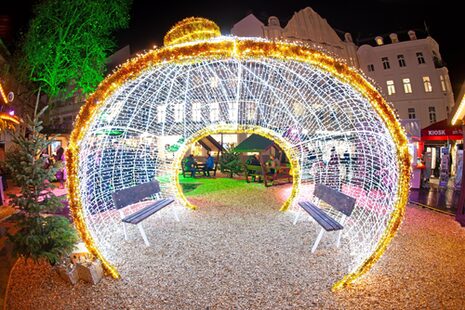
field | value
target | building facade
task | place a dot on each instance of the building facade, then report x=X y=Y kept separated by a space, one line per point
x=411 y=74
x=304 y=26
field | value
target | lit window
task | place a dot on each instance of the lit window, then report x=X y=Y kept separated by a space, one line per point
x=401 y=60
x=446 y=77
x=391 y=87
x=411 y=113
x=371 y=68
x=432 y=114
x=443 y=83
x=407 y=86
x=427 y=83
x=196 y=111
x=161 y=113
x=386 y=64
x=420 y=58
x=214 y=111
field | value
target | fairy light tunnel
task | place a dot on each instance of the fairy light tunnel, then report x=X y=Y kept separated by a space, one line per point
x=305 y=100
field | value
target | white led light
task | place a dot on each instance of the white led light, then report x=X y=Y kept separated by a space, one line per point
x=138 y=131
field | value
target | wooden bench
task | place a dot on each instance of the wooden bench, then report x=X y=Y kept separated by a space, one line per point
x=279 y=174
x=198 y=169
x=341 y=202
x=130 y=196
x=253 y=171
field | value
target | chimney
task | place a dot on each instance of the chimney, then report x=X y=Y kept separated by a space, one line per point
x=412 y=35
x=379 y=40
x=394 y=38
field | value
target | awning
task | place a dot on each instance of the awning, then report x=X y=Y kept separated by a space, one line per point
x=441 y=131
x=254 y=143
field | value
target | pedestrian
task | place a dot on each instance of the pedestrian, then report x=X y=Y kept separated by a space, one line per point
x=191 y=165
x=60 y=160
x=209 y=165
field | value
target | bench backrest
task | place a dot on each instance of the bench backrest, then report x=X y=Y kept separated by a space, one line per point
x=131 y=195
x=335 y=198
x=254 y=167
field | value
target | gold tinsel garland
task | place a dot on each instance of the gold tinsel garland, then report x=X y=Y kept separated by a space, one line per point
x=191 y=29
x=242 y=49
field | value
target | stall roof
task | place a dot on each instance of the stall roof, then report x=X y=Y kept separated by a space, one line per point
x=441 y=131
x=254 y=143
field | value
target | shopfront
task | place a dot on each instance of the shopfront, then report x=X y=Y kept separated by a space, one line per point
x=441 y=145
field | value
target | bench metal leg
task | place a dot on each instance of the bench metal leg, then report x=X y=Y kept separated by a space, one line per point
x=125 y=232
x=175 y=214
x=317 y=241
x=339 y=235
x=121 y=214
x=297 y=217
x=142 y=232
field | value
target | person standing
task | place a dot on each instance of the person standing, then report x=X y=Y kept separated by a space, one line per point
x=60 y=160
x=333 y=170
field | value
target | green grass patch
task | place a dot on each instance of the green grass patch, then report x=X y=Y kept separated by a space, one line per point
x=213 y=185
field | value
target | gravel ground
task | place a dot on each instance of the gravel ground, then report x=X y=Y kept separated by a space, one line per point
x=241 y=253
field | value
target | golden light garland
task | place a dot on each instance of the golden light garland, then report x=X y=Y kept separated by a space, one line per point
x=242 y=49
x=3 y=95
x=191 y=29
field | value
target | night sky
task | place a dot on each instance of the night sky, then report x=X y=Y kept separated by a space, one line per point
x=363 y=19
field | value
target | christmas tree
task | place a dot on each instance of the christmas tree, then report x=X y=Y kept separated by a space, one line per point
x=40 y=235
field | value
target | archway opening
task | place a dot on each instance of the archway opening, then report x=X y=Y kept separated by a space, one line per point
x=236 y=162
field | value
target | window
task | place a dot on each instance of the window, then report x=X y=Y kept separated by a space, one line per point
x=196 y=111
x=401 y=60
x=178 y=112
x=161 y=113
x=385 y=61
x=443 y=83
x=371 y=68
x=214 y=111
x=432 y=114
x=420 y=58
x=390 y=87
x=427 y=84
x=407 y=86
x=411 y=113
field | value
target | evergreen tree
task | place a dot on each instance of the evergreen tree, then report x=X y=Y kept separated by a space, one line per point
x=39 y=236
x=230 y=161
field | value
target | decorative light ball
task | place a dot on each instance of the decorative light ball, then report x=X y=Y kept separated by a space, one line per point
x=191 y=29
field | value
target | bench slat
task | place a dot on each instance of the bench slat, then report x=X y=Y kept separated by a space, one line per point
x=327 y=222
x=131 y=195
x=144 y=213
x=335 y=198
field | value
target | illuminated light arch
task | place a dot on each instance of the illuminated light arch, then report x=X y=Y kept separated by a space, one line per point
x=235 y=129
x=305 y=97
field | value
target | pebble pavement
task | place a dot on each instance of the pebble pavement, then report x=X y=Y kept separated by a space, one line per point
x=238 y=252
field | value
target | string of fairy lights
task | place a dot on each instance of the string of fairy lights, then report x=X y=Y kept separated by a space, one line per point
x=314 y=106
